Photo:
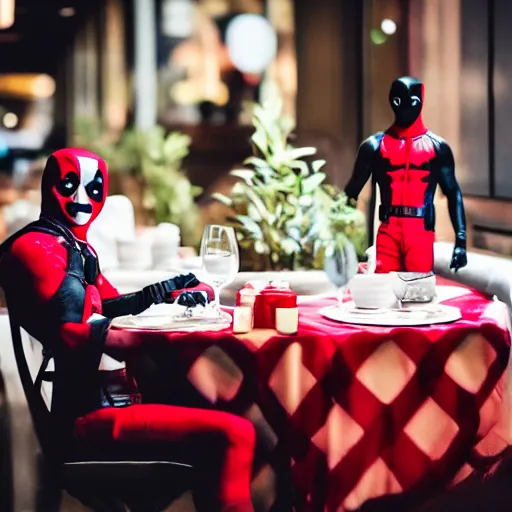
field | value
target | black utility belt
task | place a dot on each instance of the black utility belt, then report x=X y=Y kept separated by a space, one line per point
x=400 y=211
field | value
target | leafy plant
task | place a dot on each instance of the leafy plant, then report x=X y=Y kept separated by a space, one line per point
x=284 y=214
x=155 y=157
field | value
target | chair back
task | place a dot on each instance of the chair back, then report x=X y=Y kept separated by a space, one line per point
x=115 y=222
x=37 y=406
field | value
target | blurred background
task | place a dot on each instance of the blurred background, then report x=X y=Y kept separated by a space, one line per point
x=89 y=72
x=159 y=89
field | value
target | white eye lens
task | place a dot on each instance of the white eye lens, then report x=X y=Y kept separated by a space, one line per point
x=396 y=101
x=415 y=101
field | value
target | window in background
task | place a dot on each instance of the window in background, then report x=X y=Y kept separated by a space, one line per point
x=216 y=54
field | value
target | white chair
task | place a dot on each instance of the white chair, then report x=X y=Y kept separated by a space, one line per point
x=487 y=273
x=115 y=222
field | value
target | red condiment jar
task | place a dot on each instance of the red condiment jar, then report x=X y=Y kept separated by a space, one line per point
x=266 y=303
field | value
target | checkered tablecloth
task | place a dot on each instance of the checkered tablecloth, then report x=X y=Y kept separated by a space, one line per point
x=353 y=412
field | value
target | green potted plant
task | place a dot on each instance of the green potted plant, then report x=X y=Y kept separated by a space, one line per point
x=285 y=216
x=153 y=159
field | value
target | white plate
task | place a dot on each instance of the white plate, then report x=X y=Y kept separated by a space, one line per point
x=169 y=317
x=414 y=316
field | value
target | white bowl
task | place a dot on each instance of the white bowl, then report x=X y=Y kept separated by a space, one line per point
x=373 y=291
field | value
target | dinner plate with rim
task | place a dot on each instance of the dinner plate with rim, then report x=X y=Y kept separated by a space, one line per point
x=171 y=317
x=407 y=317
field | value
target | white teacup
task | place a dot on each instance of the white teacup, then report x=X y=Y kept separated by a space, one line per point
x=373 y=291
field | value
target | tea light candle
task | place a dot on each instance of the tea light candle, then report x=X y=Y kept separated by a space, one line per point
x=242 y=319
x=287 y=320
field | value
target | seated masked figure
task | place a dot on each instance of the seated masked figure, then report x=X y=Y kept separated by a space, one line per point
x=57 y=293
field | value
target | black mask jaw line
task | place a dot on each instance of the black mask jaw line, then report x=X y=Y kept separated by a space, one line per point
x=406 y=100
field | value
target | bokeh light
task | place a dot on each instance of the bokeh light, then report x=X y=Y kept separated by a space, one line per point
x=251 y=42
x=43 y=86
x=4 y=148
x=10 y=120
x=67 y=12
x=7 y=8
x=377 y=36
x=388 y=26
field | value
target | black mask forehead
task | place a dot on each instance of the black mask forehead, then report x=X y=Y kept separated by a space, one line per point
x=405 y=88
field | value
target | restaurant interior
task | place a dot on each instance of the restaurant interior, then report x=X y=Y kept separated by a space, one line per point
x=232 y=128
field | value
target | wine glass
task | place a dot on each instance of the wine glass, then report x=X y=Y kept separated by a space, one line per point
x=220 y=259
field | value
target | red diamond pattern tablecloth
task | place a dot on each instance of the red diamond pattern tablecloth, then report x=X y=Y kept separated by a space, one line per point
x=360 y=411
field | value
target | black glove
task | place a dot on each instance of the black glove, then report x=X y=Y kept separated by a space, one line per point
x=135 y=303
x=459 y=257
x=161 y=292
x=192 y=299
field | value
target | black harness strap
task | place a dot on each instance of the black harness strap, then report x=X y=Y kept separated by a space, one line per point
x=400 y=211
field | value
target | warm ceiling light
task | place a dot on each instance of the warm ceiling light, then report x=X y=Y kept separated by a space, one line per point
x=67 y=12
x=43 y=86
x=10 y=120
x=6 y=13
x=27 y=86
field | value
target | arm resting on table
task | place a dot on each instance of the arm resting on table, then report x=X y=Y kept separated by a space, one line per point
x=137 y=302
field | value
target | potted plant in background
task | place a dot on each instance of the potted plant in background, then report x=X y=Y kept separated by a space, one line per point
x=147 y=167
x=287 y=219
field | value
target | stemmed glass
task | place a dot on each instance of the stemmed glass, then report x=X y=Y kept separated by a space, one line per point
x=220 y=259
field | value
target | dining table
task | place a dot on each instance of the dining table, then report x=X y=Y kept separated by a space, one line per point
x=344 y=413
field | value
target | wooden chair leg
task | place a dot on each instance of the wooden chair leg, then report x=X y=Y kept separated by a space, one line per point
x=49 y=491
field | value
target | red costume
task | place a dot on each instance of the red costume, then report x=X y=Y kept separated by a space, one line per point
x=408 y=162
x=53 y=284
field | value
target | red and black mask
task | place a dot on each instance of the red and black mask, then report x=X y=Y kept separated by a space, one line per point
x=406 y=100
x=74 y=188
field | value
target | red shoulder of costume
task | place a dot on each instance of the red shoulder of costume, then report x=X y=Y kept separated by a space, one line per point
x=106 y=289
x=44 y=257
x=40 y=251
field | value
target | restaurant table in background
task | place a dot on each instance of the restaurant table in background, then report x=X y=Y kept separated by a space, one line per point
x=346 y=413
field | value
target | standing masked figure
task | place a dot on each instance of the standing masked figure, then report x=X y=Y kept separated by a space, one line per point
x=54 y=286
x=407 y=161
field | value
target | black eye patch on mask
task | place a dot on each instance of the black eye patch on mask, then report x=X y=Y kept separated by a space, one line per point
x=74 y=208
x=68 y=185
x=95 y=189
